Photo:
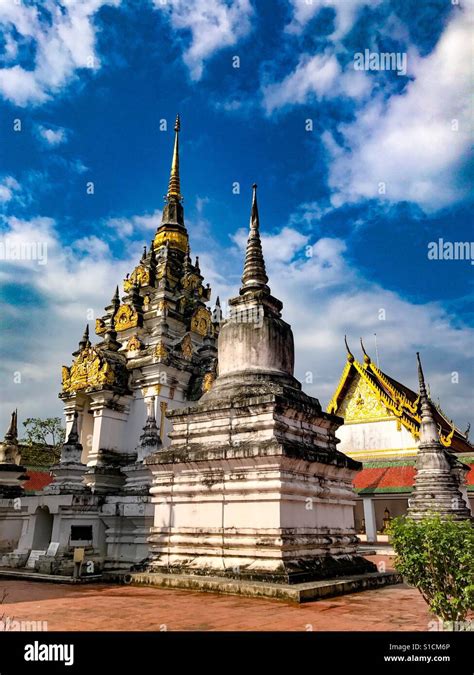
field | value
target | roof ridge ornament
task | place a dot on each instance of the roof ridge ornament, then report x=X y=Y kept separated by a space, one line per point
x=367 y=359
x=350 y=355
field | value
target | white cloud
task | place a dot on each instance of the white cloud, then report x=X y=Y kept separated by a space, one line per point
x=325 y=298
x=77 y=280
x=318 y=75
x=123 y=228
x=346 y=12
x=63 y=37
x=52 y=136
x=9 y=189
x=410 y=142
x=212 y=25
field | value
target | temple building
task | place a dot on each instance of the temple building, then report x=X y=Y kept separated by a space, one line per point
x=191 y=447
x=155 y=350
x=382 y=420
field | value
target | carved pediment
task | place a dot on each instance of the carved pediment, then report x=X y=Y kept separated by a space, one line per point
x=90 y=370
x=140 y=276
x=126 y=317
x=201 y=321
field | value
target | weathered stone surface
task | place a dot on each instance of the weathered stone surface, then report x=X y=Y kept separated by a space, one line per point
x=252 y=485
x=438 y=473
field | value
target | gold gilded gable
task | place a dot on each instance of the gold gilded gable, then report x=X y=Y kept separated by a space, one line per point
x=360 y=404
x=90 y=369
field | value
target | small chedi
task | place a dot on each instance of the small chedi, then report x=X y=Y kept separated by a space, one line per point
x=252 y=485
x=439 y=474
x=11 y=472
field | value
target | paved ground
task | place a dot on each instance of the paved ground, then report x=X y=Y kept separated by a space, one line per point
x=106 y=607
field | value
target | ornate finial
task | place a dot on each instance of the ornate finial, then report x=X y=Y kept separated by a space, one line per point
x=254 y=277
x=144 y=253
x=85 y=342
x=217 y=312
x=350 y=356
x=428 y=430
x=174 y=188
x=421 y=378
x=12 y=433
x=116 y=299
x=196 y=264
x=366 y=356
x=73 y=437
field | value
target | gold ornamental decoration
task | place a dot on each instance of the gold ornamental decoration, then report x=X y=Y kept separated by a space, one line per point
x=176 y=240
x=201 y=321
x=160 y=350
x=187 y=347
x=126 y=317
x=361 y=404
x=190 y=282
x=140 y=276
x=100 y=327
x=134 y=344
x=208 y=381
x=90 y=369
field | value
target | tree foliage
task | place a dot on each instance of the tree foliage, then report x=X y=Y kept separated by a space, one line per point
x=39 y=433
x=436 y=556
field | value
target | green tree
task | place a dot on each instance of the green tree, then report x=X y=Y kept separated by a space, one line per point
x=436 y=556
x=39 y=433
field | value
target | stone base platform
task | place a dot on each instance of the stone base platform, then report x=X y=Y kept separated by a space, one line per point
x=298 y=593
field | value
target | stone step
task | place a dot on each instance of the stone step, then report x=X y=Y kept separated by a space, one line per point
x=288 y=592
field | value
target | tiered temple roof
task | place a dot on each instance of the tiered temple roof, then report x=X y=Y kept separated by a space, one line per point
x=397 y=399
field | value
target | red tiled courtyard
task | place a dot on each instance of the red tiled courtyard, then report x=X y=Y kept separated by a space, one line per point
x=101 y=607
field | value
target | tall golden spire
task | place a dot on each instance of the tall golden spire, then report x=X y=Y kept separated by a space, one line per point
x=174 y=188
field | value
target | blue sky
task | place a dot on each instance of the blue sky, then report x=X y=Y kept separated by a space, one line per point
x=90 y=83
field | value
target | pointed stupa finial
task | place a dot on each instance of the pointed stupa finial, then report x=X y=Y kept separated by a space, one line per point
x=73 y=437
x=428 y=428
x=174 y=188
x=366 y=356
x=85 y=342
x=217 y=312
x=421 y=378
x=12 y=432
x=254 y=277
x=350 y=356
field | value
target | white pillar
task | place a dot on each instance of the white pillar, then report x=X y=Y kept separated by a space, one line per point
x=369 y=517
